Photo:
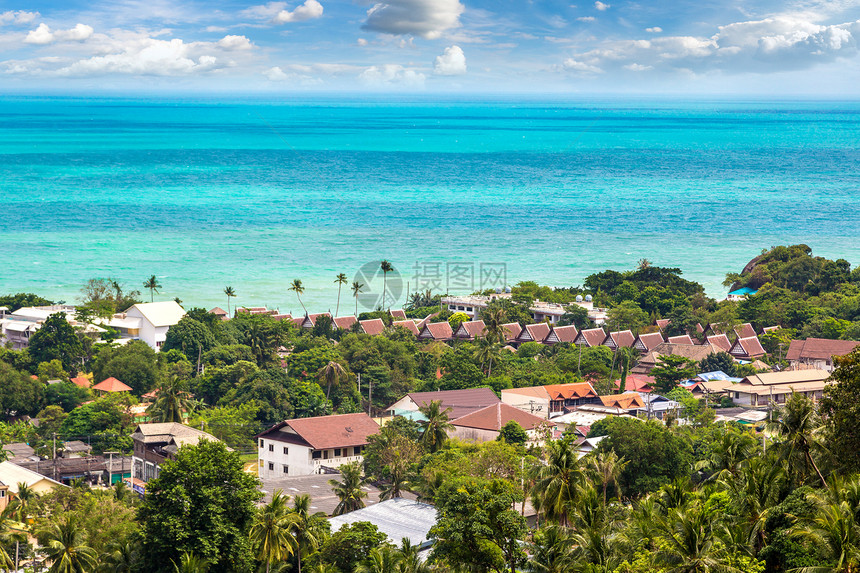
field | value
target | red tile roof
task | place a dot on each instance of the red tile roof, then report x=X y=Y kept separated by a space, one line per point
x=436 y=331
x=80 y=381
x=619 y=339
x=311 y=319
x=568 y=391
x=590 y=337
x=745 y=330
x=461 y=402
x=408 y=324
x=682 y=339
x=819 y=348
x=373 y=326
x=218 y=311
x=326 y=432
x=111 y=385
x=721 y=341
x=649 y=341
x=344 y=322
x=511 y=330
x=534 y=332
x=398 y=314
x=626 y=401
x=747 y=348
x=470 y=329
x=662 y=323
x=637 y=383
x=561 y=334
x=496 y=416
x=767 y=329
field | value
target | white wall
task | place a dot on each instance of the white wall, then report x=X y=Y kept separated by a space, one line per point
x=537 y=406
x=298 y=459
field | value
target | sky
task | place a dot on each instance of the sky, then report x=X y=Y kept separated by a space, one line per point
x=704 y=47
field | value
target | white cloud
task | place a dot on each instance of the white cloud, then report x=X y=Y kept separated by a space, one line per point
x=392 y=75
x=425 y=18
x=361 y=42
x=17 y=17
x=601 y=6
x=638 y=68
x=43 y=34
x=148 y=56
x=572 y=65
x=276 y=74
x=277 y=12
x=586 y=18
x=452 y=62
x=235 y=43
x=308 y=11
x=654 y=30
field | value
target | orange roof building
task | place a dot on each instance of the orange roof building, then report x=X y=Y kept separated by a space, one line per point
x=111 y=385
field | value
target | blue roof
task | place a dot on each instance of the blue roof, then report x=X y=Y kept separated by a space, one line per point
x=743 y=291
x=715 y=375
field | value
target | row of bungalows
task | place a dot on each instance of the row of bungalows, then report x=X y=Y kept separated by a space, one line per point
x=372 y=326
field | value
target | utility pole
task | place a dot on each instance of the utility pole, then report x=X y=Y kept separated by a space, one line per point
x=110 y=468
x=54 y=456
x=369 y=396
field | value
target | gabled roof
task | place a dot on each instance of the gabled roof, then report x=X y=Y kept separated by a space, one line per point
x=637 y=383
x=80 y=381
x=12 y=474
x=163 y=432
x=398 y=314
x=496 y=416
x=111 y=385
x=470 y=329
x=819 y=349
x=326 y=432
x=785 y=377
x=511 y=330
x=373 y=326
x=648 y=341
x=721 y=341
x=218 y=311
x=558 y=334
x=436 y=331
x=747 y=347
x=767 y=329
x=745 y=330
x=534 y=332
x=681 y=339
x=461 y=402
x=344 y=322
x=619 y=339
x=662 y=323
x=408 y=324
x=165 y=313
x=590 y=337
x=626 y=401
x=571 y=391
x=310 y=320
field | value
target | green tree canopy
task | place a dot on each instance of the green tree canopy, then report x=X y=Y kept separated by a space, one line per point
x=56 y=339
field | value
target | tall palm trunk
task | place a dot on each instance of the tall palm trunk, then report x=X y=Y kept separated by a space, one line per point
x=337 y=308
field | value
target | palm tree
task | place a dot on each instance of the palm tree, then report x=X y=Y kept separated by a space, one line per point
x=331 y=373
x=297 y=288
x=606 y=468
x=551 y=551
x=7 y=532
x=339 y=280
x=228 y=290
x=306 y=528
x=20 y=509
x=171 y=401
x=356 y=289
x=190 y=563
x=485 y=353
x=65 y=548
x=270 y=532
x=797 y=426
x=756 y=489
x=119 y=558
x=690 y=543
x=410 y=562
x=386 y=268
x=434 y=426
x=380 y=560
x=153 y=285
x=348 y=490
x=555 y=487
x=727 y=454
x=494 y=320
x=397 y=479
x=837 y=535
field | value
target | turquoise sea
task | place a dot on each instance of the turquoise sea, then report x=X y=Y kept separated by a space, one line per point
x=254 y=193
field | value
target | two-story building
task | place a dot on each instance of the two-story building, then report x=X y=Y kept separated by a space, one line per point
x=306 y=446
x=156 y=443
x=149 y=321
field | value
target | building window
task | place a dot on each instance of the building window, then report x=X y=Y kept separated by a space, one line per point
x=326 y=455
x=271 y=467
x=286 y=450
x=159 y=344
x=261 y=443
x=356 y=451
x=286 y=469
x=469 y=309
x=316 y=455
x=337 y=452
x=271 y=447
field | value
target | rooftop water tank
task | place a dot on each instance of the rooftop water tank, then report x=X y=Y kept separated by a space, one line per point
x=588 y=298
x=579 y=298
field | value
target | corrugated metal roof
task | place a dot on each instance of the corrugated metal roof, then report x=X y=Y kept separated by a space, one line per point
x=397 y=518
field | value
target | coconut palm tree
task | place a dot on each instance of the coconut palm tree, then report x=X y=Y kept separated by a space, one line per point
x=153 y=285
x=434 y=426
x=339 y=280
x=555 y=487
x=397 y=479
x=118 y=558
x=728 y=453
x=296 y=287
x=270 y=532
x=190 y=563
x=306 y=528
x=386 y=268
x=331 y=373
x=228 y=290
x=690 y=543
x=171 y=400
x=381 y=560
x=20 y=509
x=797 y=426
x=356 y=289
x=836 y=534
x=494 y=320
x=485 y=352
x=606 y=468
x=348 y=490
x=410 y=562
x=551 y=551
x=65 y=548
x=755 y=489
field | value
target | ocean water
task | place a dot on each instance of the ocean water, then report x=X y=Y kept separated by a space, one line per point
x=253 y=193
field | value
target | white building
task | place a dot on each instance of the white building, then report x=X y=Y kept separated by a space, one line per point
x=148 y=321
x=306 y=446
x=472 y=305
x=17 y=327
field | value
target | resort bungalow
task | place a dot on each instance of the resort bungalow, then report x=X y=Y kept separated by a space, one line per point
x=484 y=425
x=663 y=324
x=407 y=324
x=695 y=352
x=111 y=385
x=741 y=294
x=469 y=330
x=559 y=334
x=344 y=322
x=459 y=402
x=620 y=339
x=220 y=313
x=532 y=333
x=629 y=401
x=682 y=339
x=759 y=389
x=767 y=329
x=373 y=326
x=511 y=330
x=440 y=331
x=745 y=330
x=648 y=341
x=747 y=348
x=310 y=320
x=397 y=314
x=590 y=337
x=714 y=328
x=636 y=383
x=817 y=352
x=307 y=446
x=721 y=341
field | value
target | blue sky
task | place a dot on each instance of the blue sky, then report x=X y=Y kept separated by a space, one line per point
x=707 y=47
